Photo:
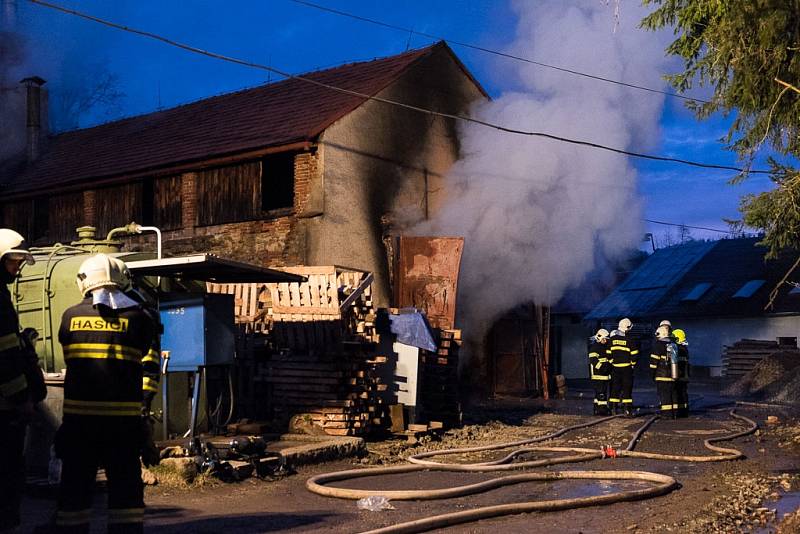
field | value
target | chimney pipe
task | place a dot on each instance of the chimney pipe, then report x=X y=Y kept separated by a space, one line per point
x=33 y=86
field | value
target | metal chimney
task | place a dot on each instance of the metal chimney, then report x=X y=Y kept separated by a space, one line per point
x=33 y=86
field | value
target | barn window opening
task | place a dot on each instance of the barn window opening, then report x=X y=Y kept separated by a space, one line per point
x=277 y=181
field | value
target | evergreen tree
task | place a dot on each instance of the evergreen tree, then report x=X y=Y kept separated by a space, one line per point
x=748 y=51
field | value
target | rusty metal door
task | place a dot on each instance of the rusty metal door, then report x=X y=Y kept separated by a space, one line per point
x=427 y=276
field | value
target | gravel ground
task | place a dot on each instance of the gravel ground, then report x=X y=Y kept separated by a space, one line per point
x=741 y=496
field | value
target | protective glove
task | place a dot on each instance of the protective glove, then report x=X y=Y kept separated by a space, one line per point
x=150 y=453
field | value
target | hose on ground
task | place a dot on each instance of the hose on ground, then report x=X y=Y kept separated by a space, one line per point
x=662 y=484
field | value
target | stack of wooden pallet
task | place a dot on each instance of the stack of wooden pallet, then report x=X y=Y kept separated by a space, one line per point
x=333 y=304
x=740 y=358
x=439 y=394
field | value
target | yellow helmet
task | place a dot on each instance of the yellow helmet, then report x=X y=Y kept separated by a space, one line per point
x=680 y=335
x=102 y=270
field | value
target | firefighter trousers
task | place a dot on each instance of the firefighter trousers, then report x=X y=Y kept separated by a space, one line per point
x=12 y=468
x=682 y=393
x=86 y=443
x=601 y=396
x=622 y=387
x=667 y=397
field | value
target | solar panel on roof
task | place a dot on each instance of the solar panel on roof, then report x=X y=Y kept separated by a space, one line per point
x=748 y=289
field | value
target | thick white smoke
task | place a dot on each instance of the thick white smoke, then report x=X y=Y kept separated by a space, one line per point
x=538 y=215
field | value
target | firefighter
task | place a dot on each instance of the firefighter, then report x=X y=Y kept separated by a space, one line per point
x=682 y=383
x=663 y=369
x=21 y=382
x=622 y=354
x=599 y=371
x=110 y=349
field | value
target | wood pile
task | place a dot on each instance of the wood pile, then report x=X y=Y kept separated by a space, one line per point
x=345 y=397
x=741 y=357
x=438 y=380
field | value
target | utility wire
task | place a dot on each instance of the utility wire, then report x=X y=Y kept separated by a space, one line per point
x=692 y=227
x=495 y=52
x=387 y=101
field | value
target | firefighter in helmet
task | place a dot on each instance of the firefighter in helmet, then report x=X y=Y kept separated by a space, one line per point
x=21 y=381
x=682 y=383
x=622 y=354
x=599 y=371
x=111 y=352
x=663 y=369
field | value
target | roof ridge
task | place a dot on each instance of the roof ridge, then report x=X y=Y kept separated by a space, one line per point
x=417 y=51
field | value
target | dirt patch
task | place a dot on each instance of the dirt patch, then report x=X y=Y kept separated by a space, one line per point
x=742 y=508
x=776 y=378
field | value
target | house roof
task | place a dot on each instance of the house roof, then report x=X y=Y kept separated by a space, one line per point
x=702 y=279
x=270 y=115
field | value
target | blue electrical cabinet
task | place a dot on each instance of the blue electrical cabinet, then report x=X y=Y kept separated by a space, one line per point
x=198 y=330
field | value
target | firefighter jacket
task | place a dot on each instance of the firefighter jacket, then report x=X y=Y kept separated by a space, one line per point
x=661 y=360
x=683 y=361
x=110 y=357
x=14 y=388
x=622 y=351
x=599 y=368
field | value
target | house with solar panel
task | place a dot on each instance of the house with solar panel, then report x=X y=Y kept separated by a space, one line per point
x=287 y=173
x=719 y=292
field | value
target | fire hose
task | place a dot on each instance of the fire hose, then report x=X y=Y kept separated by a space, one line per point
x=661 y=484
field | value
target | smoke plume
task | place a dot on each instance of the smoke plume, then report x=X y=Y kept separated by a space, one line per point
x=538 y=215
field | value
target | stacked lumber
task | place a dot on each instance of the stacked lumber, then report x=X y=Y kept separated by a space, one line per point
x=740 y=358
x=345 y=396
x=439 y=395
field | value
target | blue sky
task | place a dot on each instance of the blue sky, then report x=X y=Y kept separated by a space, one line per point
x=298 y=39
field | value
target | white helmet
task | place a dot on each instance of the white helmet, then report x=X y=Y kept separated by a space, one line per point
x=624 y=325
x=102 y=270
x=12 y=244
x=601 y=335
x=662 y=331
x=665 y=322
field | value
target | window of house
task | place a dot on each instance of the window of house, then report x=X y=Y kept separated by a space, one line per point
x=747 y=290
x=697 y=292
x=277 y=181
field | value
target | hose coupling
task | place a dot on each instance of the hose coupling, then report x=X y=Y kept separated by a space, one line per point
x=608 y=451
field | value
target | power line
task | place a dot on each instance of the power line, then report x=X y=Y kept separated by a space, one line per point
x=692 y=227
x=495 y=52
x=418 y=109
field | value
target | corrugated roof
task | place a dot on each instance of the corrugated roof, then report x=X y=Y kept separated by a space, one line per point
x=270 y=115
x=660 y=286
x=648 y=284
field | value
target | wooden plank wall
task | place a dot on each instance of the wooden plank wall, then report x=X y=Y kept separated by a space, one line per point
x=167 y=202
x=229 y=194
x=117 y=206
x=66 y=215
